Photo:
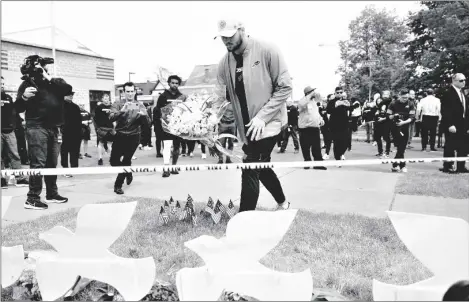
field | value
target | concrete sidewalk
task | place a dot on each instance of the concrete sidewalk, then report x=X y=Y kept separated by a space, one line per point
x=334 y=191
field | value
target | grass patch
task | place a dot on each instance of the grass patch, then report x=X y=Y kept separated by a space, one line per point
x=434 y=183
x=344 y=252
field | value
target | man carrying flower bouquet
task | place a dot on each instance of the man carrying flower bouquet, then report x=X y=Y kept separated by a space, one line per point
x=258 y=85
x=168 y=96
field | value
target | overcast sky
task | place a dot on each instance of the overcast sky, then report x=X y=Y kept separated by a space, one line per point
x=178 y=35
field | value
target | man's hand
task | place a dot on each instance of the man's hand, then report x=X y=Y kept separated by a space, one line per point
x=256 y=128
x=29 y=93
x=46 y=75
x=381 y=119
x=452 y=129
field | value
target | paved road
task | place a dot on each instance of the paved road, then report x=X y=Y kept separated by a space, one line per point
x=366 y=190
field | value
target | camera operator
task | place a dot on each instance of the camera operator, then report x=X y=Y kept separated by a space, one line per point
x=401 y=113
x=42 y=97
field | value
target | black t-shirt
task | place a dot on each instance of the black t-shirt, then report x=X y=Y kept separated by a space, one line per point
x=101 y=118
x=404 y=110
x=239 y=89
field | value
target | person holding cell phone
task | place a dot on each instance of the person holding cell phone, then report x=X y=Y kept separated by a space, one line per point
x=129 y=116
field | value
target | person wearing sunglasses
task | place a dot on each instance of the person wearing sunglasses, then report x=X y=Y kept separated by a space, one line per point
x=455 y=121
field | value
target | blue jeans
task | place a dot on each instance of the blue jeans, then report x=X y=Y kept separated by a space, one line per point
x=43 y=152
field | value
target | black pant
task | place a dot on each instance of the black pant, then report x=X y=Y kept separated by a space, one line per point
x=145 y=138
x=43 y=153
x=326 y=135
x=158 y=142
x=401 y=137
x=418 y=127
x=310 y=141
x=279 y=138
x=340 y=139
x=257 y=152
x=191 y=146
x=21 y=144
x=123 y=146
x=382 y=132
x=429 y=124
x=353 y=127
x=290 y=131
x=456 y=142
x=69 y=146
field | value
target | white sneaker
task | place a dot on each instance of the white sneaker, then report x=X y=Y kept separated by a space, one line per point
x=140 y=147
x=192 y=154
x=134 y=157
x=204 y=156
x=325 y=156
x=279 y=148
x=342 y=157
x=374 y=144
x=283 y=206
x=146 y=148
x=404 y=170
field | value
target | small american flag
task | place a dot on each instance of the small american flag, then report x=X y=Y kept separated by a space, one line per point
x=194 y=217
x=220 y=206
x=216 y=216
x=163 y=217
x=230 y=210
x=166 y=206
x=172 y=209
x=179 y=212
x=189 y=198
x=209 y=206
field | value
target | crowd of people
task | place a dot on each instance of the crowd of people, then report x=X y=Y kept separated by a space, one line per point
x=261 y=116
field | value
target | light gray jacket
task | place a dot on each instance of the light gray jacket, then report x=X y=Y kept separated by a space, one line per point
x=267 y=84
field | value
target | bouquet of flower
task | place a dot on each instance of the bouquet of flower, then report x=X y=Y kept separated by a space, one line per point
x=198 y=116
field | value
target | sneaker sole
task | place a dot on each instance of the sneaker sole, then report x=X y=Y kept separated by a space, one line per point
x=55 y=201
x=29 y=207
x=21 y=185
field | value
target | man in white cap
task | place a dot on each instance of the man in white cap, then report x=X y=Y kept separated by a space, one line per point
x=258 y=85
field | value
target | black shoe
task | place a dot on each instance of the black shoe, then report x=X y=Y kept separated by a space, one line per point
x=307 y=168
x=159 y=155
x=22 y=182
x=26 y=163
x=151 y=146
x=129 y=179
x=118 y=191
x=228 y=161
x=56 y=199
x=87 y=155
x=220 y=161
x=433 y=149
x=80 y=156
x=4 y=183
x=320 y=168
x=175 y=172
x=424 y=149
x=448 y=170
x=100 y=162
x=35 y=204
x=166 y=174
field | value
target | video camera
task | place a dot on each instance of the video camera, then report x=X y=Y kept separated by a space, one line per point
x=29 y=69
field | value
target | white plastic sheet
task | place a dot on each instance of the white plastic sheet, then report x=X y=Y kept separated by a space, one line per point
x=12 y=257
x=232 y=262
x=441 y=244
x=85 y=253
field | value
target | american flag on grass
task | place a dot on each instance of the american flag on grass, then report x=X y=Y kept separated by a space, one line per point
x=166 y=206
x=180 y=213
x=163 y=218
x=230 y=210
x=172 y=209
x=209 y=206
x=216 y=216
x=220 y=206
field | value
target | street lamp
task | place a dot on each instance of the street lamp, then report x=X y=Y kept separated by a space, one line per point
x=130 y=74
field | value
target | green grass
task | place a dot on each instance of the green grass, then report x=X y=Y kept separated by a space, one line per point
x=434 y=183
x=344 y=252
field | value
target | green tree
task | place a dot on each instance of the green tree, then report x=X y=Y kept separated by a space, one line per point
x=374 y=35
x=440 y=44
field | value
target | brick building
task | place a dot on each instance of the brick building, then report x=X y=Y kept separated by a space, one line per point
x=90 y=75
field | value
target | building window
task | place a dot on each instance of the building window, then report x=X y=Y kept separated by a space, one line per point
x=4 y=59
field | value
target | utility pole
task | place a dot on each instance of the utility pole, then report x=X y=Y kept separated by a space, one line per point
x=52 y=30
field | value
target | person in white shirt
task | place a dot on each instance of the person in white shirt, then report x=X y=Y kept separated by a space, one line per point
x=429 y=112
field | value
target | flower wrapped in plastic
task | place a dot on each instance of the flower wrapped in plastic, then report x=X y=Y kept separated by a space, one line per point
x=197 y=117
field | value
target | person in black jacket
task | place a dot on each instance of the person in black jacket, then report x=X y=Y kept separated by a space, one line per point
x=382 y=124
x=168 y=96
x=455 y=123
x=44 y=106
x=71 y=133
x=339 y=123
x=104 y=127
x=9 y=145
x=292 y=128
x=326 y=132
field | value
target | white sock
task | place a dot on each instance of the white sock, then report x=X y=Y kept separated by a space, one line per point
x=167 y=151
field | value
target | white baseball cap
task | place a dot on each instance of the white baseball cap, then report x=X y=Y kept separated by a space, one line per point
x=228 y=28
